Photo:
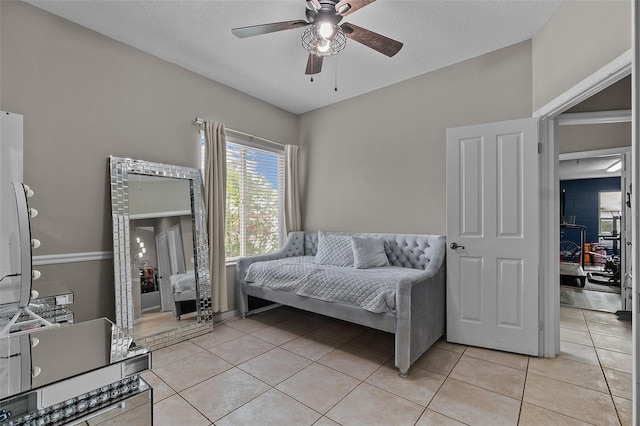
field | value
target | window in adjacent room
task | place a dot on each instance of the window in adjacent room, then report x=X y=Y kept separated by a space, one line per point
x=609 y=217
x=255 y=199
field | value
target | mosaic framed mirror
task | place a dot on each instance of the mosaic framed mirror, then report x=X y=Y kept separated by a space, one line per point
x=160 y=251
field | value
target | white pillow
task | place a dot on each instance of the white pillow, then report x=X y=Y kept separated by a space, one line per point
x=368 y=252
x=334 y=249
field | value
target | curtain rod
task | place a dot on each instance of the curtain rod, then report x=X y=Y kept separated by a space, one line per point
x=199 y=122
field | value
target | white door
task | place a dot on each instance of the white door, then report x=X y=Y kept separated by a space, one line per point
x=493 y=238
x=164 y=272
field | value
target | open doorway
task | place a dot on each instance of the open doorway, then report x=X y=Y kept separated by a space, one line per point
x=594 y=141
x=551 y=118
x=594 y=261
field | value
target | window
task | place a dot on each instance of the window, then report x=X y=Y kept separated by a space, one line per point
x=609 y=215
x=255 y=200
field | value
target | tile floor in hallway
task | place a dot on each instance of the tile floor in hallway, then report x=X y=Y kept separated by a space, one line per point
x=288 y=367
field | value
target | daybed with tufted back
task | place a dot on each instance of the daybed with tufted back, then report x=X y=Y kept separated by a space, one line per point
x=415 y=302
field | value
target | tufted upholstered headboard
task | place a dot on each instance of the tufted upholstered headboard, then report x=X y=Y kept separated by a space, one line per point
x=409 y=251
x=426 y=252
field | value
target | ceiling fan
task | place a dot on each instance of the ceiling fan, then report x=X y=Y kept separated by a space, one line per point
x=323 y=36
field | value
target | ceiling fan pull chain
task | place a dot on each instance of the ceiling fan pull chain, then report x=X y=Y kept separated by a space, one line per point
x=312 y=69
x=335 y=88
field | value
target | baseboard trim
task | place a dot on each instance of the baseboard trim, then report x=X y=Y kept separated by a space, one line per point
x=89 y=256
x=224 y=316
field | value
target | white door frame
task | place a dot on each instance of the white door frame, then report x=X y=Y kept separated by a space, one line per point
x=164 y=272
x=176 y=250
x=550 y=194
x=635 y=202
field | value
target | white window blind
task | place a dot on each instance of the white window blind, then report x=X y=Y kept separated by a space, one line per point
x=255 y=201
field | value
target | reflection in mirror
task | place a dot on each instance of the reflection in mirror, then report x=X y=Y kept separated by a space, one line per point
x=160 y=251
x=161 y=234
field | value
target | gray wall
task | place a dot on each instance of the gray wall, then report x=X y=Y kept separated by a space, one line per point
x=85 y=96
x=158 y=195
x=615 y=97
x=376 y=163
x=580 y=38
x=589 y=137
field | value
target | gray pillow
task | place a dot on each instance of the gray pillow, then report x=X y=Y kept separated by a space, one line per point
x=368 y=252
x=334 y=249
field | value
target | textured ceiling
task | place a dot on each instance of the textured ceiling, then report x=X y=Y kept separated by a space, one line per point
x=197 y=36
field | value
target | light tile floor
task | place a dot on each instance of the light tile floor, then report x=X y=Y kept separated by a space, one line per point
x=290 y=367
x=589 y=299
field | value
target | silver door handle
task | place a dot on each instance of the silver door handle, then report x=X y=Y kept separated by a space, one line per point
x=456 y=246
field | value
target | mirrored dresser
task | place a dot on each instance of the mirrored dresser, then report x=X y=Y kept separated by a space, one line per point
x=85 y=373
x=52 y=302
x=54 y=372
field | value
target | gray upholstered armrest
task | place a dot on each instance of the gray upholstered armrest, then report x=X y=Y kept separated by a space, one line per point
x=439 y=253
x=293 y=247
x=420 y=309
x=403 y=291
x=439 y=245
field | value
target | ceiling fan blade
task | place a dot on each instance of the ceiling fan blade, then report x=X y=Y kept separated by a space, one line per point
x=314 y=4
x=382 y=44
x=314 y=64
x=255 y=30
x=350 y=6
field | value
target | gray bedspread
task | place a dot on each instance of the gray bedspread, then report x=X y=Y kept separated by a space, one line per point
x=372 y=289
x=183 y=282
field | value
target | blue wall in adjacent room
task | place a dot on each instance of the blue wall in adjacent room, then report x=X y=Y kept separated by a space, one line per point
x=581 y=201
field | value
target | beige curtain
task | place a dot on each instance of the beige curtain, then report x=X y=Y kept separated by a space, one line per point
x=292 y=221
x=215 y=178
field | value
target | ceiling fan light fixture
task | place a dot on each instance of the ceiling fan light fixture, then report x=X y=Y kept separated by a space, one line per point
x=326 y=29
x=314 y=41
x=324 y=46
x=615 y=167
